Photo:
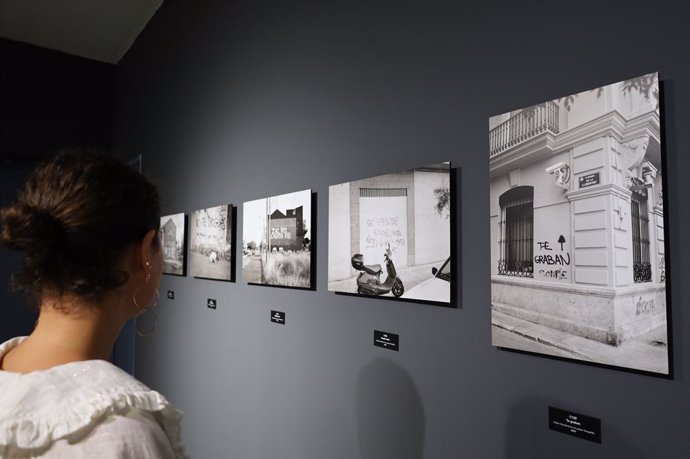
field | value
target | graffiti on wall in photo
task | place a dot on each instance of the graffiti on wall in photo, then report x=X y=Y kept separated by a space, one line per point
x=210 y=243
x=577 y=243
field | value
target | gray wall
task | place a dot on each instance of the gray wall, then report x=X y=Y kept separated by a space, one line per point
x=233 y=101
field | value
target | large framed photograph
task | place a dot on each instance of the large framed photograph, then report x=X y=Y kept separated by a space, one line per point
x=173 y=241
x=578 y=265
x=390 y=235
x=276 y=240
x=210 y=244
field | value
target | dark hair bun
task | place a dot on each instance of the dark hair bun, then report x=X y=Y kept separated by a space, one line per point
x=74 y=217
x=28 y=229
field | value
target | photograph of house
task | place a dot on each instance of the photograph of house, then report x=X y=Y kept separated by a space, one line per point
x=577 y=227
x=172 y=236
x=276 y=240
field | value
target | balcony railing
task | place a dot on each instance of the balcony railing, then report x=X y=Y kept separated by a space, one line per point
x=529 y=123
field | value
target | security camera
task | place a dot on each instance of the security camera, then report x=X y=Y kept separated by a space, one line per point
x=555 y=167
x=562 y=173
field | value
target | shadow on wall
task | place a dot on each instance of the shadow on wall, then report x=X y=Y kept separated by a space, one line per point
x=390 y=415
x=528 y=435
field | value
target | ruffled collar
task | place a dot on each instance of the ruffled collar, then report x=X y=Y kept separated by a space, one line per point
x=41 y=407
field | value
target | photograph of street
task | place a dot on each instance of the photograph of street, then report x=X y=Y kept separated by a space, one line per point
x=390 y=235
x=578 y=265
x=172 y=237
x=210 y=244
x=276 y=240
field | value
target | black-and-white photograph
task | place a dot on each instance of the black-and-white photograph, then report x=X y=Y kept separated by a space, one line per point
x=390 y=235
x=172 y=237
x=276 y=240
x=578 y=249
x=210 y=243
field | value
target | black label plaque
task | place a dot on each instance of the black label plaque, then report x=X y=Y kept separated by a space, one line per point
x=589 y=180
x=278 y=317
x=171 y=295
x=386 y=340
x=577 y=425
x=211 y=303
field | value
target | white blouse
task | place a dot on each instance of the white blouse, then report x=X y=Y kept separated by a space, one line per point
x=88 y=409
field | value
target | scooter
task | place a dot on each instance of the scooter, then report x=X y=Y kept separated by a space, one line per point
x=369 y=279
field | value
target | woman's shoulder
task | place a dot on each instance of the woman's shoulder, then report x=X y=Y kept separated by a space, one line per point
x=135 y=434
x=41 y=407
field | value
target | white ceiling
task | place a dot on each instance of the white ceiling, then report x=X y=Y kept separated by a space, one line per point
x=102 y=30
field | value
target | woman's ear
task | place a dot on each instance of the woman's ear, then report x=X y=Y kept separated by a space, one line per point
x=147 y=248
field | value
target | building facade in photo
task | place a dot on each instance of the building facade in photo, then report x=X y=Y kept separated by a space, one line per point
x=397 y=210
x=287 y=229
x=577 y=214
x=211 y=231
x=169 y=240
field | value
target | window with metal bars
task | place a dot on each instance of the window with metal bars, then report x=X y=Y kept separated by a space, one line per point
x=642 y=267
x=517 y=229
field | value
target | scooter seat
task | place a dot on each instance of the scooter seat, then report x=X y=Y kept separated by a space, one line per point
x=372 y=269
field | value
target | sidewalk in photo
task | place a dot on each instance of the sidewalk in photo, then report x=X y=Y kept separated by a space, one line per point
x=410 y=276
x=251 y=268
x=647 y=352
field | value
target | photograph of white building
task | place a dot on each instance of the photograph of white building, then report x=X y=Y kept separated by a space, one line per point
x=390 y=235
x=577 y=227
x=172 y=237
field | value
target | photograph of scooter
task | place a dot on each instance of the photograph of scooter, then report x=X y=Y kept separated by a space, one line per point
x=369 y=279
x=390 y=235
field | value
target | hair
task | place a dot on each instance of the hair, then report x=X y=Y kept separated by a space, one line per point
x=73 y=219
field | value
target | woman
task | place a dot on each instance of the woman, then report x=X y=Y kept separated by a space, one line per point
x=88 y=227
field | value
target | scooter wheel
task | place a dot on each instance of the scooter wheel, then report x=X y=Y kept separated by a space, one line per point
x=398 y=289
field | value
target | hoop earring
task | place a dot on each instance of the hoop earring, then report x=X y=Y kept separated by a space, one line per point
x=148 y=308
x=148 y=332
x=146 y=282
x=145 y=309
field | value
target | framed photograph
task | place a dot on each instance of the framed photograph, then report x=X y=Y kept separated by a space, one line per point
x=276 y=240
x=390 y=235
x=578 y=249
x=210 y=243
x=173 y=240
